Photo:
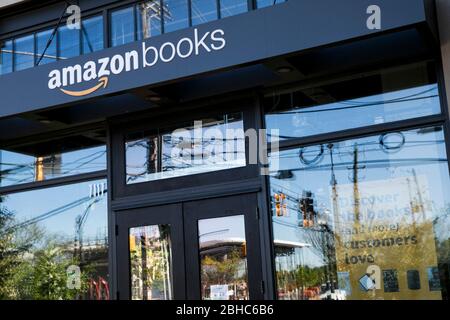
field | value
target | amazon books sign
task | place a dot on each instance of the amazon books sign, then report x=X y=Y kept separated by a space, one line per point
x=385 y=240
x=224 y=44
x=95 y=74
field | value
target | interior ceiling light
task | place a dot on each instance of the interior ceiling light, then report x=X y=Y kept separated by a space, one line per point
x=285 y=69
x=153 y=98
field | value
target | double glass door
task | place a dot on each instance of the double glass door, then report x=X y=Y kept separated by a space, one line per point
x=205 y=249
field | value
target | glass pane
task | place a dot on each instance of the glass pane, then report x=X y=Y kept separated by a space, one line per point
x=267 y=3
x=24 y=53
x=28 y=164
x=232 y=7
x=56 y=240
x=92 y=34
x=6 y=57
x=367 y=218
x=149 y=22
x=203 y=11
x=69 y=42
x=151 y=263
x=386 y=96
x=41 y=42
x=223 y=258
x=122 y=26
x=176 y=15
x=203 y=146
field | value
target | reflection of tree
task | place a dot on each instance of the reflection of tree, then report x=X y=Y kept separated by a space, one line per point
x=150 y=266
x=44 y=276
x=33 y=263
x=13 y=245
x=322 y=241
x=302 y=283
x=223 y=269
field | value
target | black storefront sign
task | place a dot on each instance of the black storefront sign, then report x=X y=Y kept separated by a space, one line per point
x=217 y=45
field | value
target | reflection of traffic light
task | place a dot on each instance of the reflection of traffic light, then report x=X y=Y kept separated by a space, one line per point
x=244 y=249
x=306 y=206
x=280 y=204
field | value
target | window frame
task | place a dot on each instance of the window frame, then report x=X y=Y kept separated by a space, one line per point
x=119 y=131
x=105 y=12
x=441 y=119
x=28 y=186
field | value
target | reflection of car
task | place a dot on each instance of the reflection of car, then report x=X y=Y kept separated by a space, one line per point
x=334 y=295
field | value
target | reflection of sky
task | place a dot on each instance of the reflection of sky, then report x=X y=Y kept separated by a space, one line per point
x=30 y=204
x=177 y=15
x=233 y=7
x=191 y=151
x=267 y=3
x=423 y=151
x=203 y=11
x=219 y=229
x=22 y=168
x=381 y=108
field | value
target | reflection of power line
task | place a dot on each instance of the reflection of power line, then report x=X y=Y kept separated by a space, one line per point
x=213 y=232
x=79 y=224
x=28 y=169
x=363 y=105
x=371 y=164
x=50 y=213
x=291 y=155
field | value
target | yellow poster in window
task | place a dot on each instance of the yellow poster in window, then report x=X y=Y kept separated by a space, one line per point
x=384 y=239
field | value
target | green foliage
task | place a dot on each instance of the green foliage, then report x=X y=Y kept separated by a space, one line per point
x=32 y=266
x=219 y=270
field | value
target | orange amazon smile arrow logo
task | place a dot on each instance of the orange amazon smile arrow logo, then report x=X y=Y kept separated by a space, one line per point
x=103 y=82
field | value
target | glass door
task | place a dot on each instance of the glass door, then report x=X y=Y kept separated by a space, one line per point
x=197 y=250
x=223 y=258
x=150 y=254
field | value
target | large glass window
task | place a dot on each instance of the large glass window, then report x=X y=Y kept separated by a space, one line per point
x=6 y=64
x=122 y=26
x=24 y=53
x=42 y=39
x=55 y=159
x=223 y=258
x=92 y=34
x=55 y=241
x=68 y=42
x=151 y=263
x=203 y=11
x=16 y=168
x=365 y=218
x=232 y=7
x=149 y=21
x=176 y=15
x=381 y=97
x=212 y=144
x=136 y=22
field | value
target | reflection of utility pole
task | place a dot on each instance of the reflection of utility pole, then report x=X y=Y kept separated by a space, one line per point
x=334 y=183
x=143 y=239
x=152 y=155
x=152 y=10
x=356 y=194
x=419 y=195
x=79 y=225
x=411 y=203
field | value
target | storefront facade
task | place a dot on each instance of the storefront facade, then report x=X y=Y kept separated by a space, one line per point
x=229 y=149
